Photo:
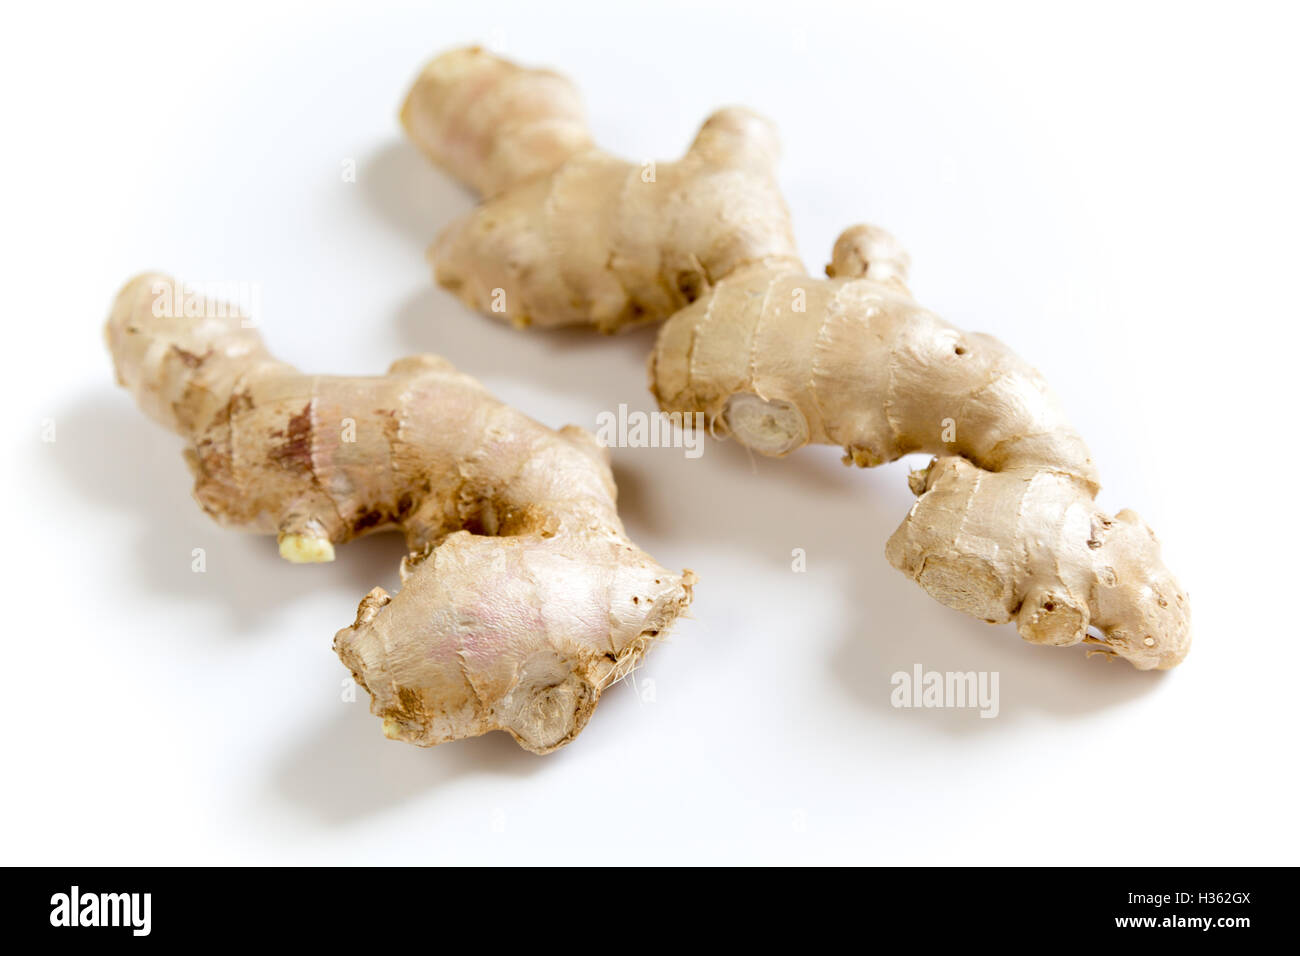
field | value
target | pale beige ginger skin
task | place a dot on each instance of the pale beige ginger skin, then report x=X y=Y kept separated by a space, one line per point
x=1005 y=526
x=567 y=233
x=522 y=597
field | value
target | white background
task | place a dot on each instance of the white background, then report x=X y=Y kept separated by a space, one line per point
x=1110 y=189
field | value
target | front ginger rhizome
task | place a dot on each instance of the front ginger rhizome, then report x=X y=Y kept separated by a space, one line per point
x=522 y=598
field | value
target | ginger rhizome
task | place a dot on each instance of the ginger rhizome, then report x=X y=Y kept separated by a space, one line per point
x=1005 y=526
x=522 y=598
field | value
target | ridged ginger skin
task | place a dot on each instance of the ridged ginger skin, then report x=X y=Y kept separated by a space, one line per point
x=522 y=598
x=1005 y=526
x=570 y=235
